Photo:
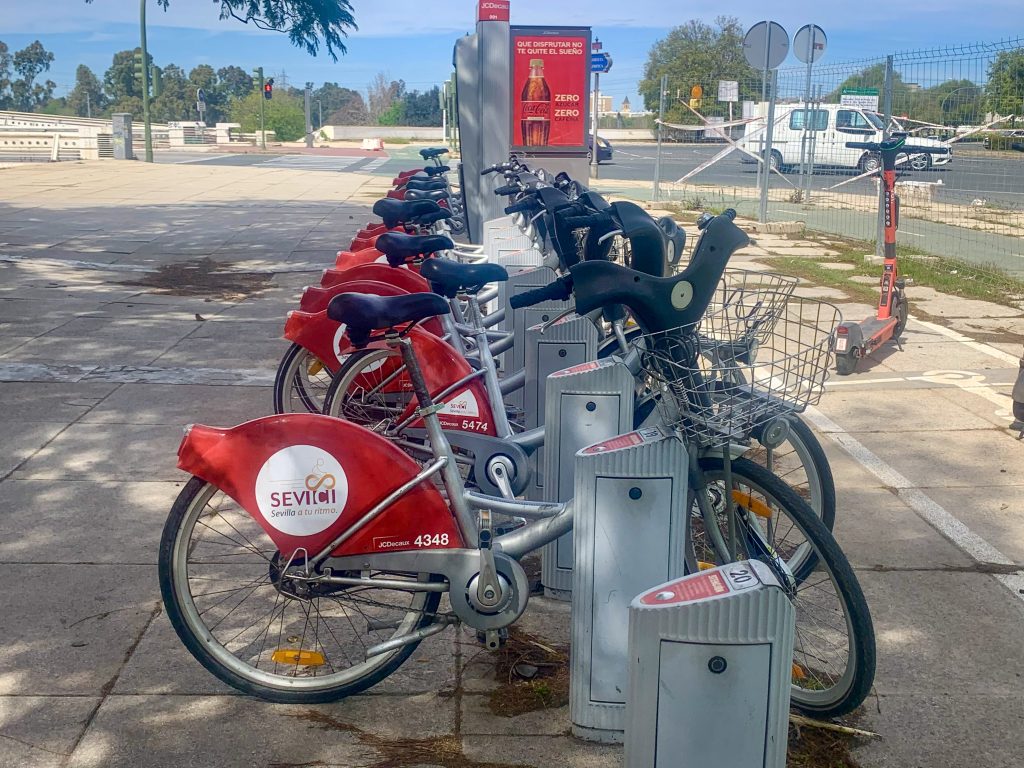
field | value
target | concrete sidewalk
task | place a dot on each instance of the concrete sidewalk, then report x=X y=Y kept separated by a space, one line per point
x=116 y=329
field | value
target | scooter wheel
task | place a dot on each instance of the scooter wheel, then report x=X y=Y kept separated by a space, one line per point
x=846 y=363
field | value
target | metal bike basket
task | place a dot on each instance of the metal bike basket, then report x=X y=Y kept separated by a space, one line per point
x=750 y=300
x=718 y=380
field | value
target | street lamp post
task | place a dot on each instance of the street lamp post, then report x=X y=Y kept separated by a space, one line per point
x=147 y=126
x=320 y=111
x=942 y=104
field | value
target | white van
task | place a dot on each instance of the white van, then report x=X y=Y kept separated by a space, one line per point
x=833 y=125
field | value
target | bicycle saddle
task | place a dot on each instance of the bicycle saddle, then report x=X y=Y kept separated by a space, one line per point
x=449 y=278
x=424 y=183
x=430 y=152
x=399 y=247
x=426 y=194
x=436 y=170
x=395 y=212
x=362 y=313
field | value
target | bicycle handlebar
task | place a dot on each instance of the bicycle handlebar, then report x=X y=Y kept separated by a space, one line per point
x=507 y=190
x=521 y=207
x=559 y=290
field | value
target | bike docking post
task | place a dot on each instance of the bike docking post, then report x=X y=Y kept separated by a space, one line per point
x=569 y=341
x=629 y=530
x=518 y=320
x=583 y=404
x=710 y=665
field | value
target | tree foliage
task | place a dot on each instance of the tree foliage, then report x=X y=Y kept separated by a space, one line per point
x=340 y=105
x=284 y=115
x=697 y=53
x=23 y=92
x=235 y=82
x=308 y=23
x=120 y=82
x=422 y=109
x=383 y=92
x=1004 y=92
x=87 y=97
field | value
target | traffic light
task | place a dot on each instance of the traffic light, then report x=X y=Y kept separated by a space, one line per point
x=138 y=65
x=156 y=77
x=268 y=89
x=696 y=97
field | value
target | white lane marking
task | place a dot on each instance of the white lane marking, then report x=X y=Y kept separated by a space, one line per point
x=848 y=382
x=375 y=164
x=950 y=526
x=203 y=159
x=978 y=346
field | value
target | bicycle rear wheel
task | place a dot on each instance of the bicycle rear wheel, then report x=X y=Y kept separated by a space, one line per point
x=834 y=650
x=301 y=382
x=370 y=389
x=241 y=613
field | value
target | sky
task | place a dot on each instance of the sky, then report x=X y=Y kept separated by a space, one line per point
x=412 y=39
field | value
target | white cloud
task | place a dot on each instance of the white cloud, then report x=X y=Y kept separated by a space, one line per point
x=416 y=17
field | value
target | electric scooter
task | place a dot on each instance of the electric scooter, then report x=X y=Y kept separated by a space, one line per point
x=858 y=340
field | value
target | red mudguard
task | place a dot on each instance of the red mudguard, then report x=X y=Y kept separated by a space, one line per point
x=349 y=259
x=383 y=273
x=307 y=478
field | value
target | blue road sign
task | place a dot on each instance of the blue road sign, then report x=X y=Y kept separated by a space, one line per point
x=600 y=62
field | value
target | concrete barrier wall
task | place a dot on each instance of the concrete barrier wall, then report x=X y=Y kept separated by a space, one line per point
x=359 y=132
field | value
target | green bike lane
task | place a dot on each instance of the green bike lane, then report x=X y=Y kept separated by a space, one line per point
x=104 y=356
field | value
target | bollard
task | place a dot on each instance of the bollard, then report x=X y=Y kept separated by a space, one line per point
x=710 y=668
x=628 y=535
x=121 y=136
x=583 y=404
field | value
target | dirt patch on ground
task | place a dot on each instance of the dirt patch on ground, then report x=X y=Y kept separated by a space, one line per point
x=396 y=753
x=203 y=277
x=815 y=748
x=531 y=675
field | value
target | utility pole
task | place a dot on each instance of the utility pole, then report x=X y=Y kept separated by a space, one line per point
x=320 y=110
x=148 y=127
x=263 y=130
x=309 y=120
x=88 y=106
x=657 y=157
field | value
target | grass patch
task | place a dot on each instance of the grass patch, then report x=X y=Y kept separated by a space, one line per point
x=943 y=274
x=396 y=140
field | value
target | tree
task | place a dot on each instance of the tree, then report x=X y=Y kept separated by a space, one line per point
x=87 y=97
x=306 y=22
x=30 y=62
x=698 y=54
x=120 y=81
x=382 y=93
x=5 y=76
x=235 y=82
x=204 y=77
x=1004 y=91
x=423 y=109
x=284 y=115
x=342 y=106
x=176 y=101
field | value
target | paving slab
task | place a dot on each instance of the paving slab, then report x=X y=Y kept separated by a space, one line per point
x=69 y=521
x=542 y=751
x=922 y=621
x=22 y=440
x=41 y=731
x=949 y=730
x=479 y=720
x=181 y=404
x=91 y=452
x=890 y=408
x=222 y=731
x=264 y=353
x=68 y=628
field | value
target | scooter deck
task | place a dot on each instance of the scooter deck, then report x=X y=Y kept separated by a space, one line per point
x=877 y=331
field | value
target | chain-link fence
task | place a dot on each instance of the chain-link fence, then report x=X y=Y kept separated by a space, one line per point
x=962 y=204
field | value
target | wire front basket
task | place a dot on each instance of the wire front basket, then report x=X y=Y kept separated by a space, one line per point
x=719 y=380
x=747 y=298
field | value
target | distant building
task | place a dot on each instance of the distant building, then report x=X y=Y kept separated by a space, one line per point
x=604 y=104
x=626 y=109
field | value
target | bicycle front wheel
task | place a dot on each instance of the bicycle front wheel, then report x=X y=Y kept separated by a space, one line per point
x=241 y=613
x=834 y=648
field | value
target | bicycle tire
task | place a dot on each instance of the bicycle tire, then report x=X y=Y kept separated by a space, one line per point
x=857 y=676
x=291 y=389
x=340 y=402
x=213 y=654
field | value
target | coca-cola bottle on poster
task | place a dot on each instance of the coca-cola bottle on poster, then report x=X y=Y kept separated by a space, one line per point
x=536 y=121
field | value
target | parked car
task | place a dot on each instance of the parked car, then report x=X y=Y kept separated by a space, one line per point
x=834 y=126
x=604 y=149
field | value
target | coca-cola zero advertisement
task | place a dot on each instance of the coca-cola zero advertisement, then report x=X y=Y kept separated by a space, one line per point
x=550 y=81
